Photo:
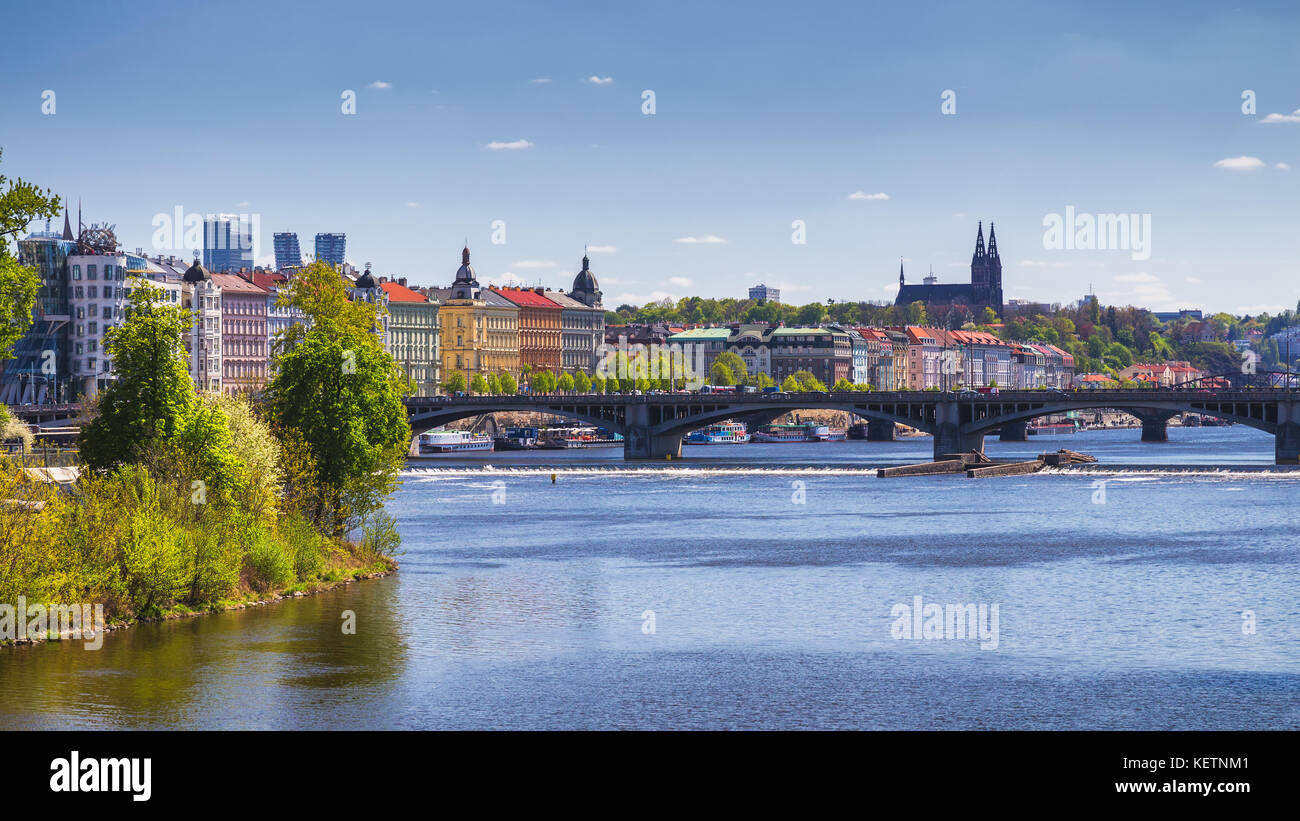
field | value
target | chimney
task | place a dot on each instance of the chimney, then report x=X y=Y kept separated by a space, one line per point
x=402 y=282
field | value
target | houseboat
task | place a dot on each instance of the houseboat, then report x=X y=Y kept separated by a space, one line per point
x=453 y=441
x=580 y=437
x=1051 y=429
x=725 y=433
x=802 y=432
x=517 y=439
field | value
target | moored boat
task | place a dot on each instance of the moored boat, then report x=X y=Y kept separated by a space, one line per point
x=580 y=437
x=453 y=441
x=801 y=432
x=725 y=433
x=517 y=439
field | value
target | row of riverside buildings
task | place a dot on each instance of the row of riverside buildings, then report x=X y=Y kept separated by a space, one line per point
x=902 y=358
x=237 y=318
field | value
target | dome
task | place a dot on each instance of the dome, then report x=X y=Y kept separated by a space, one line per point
x=366 y=280
x=196 y=273
x=465 y=273
x=585 y=281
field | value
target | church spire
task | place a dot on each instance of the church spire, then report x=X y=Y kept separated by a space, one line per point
x=67 y=226
x=900 y=271
x=979 y=241
x=993 y=242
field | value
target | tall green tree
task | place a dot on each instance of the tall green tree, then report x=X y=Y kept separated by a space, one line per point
x=509 y=386
x=20 y=203
x=478 y=384
x=581 y=382
x=153 y=392
x=340 y=392
x=456 y=383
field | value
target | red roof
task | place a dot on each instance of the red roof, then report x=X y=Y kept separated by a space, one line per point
x=400 y=293
x=525 y=298
x=233 y=283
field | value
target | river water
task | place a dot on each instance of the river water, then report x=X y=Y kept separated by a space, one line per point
x=756 y=586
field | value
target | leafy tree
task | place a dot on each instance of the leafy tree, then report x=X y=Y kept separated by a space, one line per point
x=153 y=392
x=456 y=383
x=341 y=393
x=739 y=372
x=808 y=382
x=790 y=385
x=20 y=203
x=612 y=385
x=508 y=385
x=843 y=385
x=720 y=374
x=543 y=382
x=565 y=382
x=581 y=382
x=494 y=384
x=598 y=383
x=318 y=291
x=478 y=385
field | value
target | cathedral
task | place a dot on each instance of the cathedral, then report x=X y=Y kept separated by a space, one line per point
x=984 y=290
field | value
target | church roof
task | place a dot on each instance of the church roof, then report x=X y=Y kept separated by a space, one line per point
x=948 y=292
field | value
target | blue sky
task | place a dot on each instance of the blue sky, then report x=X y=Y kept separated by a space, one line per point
x=765 y=114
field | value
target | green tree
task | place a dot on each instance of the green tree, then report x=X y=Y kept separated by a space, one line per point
x=843 y=385
x=581 y=382
x=341 y=393
x=20 y=203
x=808 y=382
x=153 y=392
x=720 y=374
x=478 y=384
x=543 y=382
x=508 y=385
x=565 y=382
x=494 y=384
x=456 y=383
x=598 y=384
x=790 y=385
x=762 y=380
x=612 y=385
x=736 y=365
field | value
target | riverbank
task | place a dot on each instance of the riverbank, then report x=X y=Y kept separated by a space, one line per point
x=333 y=579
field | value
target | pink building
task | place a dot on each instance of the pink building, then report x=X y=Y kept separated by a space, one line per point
x=244 y=364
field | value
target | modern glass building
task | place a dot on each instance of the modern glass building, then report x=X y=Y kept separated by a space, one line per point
x=330 y=248
x=227 y=244
x=287 y=253
x=39 y=371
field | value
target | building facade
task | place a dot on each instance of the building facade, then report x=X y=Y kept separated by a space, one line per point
x=330 y=248
x=39 y=372
x=287 y=252
x=763 y=294
x=227 y=244
x=582 y=331
x=245 y=366
x=202 y=297
x=541 y=344
x=479 y=329
x=412 y=336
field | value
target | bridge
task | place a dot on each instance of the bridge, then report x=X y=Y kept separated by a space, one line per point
x=653 y=425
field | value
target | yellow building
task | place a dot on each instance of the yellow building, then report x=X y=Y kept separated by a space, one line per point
x=479 y=329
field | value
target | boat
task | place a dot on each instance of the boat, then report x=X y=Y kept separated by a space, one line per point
x=579 y=437
x=725 y=433
x=802 y=432
x=832 y=434
x=453 y=441
x=1051 y=429
x=517 y=439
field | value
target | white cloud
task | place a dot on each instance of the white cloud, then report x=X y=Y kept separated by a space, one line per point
x=1140 y=276
x=537 y=81
x=680 y=282
x=1242 y=163
x=536 y=263
x=413 y=205
x=241 y=204
x=598 y=81
x=1282 y=166
x=509 y=278
x=707 y=239
x=1038 y=263
x=380 y=84
x=862 y=195
x=1194 y=280
x=1143 y=290
x=1293 y=117
x=516 y=145
x=602 y=249
x=891 y=288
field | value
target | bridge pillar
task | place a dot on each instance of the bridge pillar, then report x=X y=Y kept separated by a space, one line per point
x=1286 y=440
x=880 y=431
x=948 y=436
x=1155 y=426
x=640 y=441
x=1014 y=432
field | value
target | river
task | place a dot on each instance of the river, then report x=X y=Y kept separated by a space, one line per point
x=757 y=586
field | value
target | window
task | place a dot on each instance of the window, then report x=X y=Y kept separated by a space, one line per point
x=90 y=272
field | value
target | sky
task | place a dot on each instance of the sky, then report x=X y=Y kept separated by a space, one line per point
x=888 y=130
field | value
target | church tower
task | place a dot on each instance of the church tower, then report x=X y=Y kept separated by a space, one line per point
x=986 y=273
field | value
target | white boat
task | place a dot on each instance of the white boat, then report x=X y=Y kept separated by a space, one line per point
x=453 y=441
x=726 y=433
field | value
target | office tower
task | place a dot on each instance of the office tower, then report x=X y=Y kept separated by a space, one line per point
x=227 y=243
x=287 y=253
x=330 y=248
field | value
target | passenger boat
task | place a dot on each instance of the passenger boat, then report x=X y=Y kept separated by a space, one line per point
x=832 y=434
x=453 y=441
x=517 y=439
x=802 y=432
x=1051 y=429
x=565 y=438
x=726 y=433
